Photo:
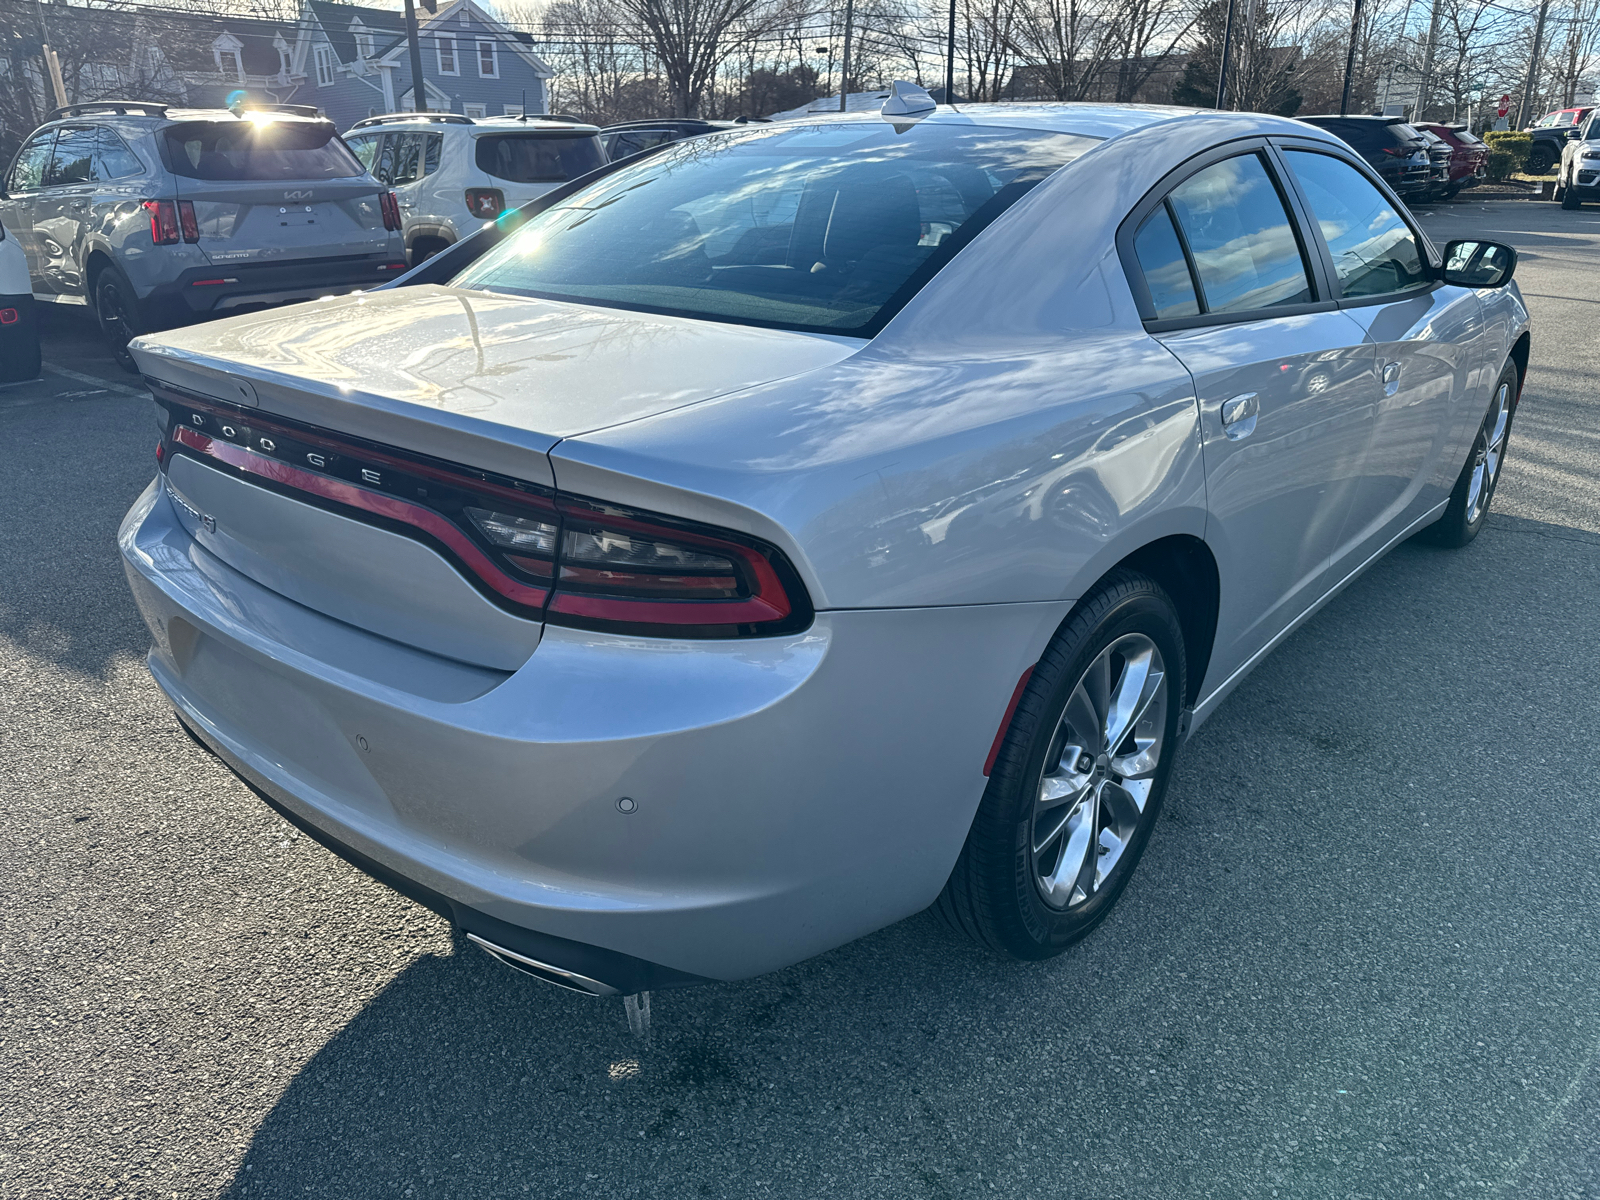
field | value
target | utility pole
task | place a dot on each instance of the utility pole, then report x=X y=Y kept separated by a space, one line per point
x=1227 y=44
x=1428 y=53
x=844 y=77
x=950 y=59
x=1350 y=59
x=419 y=88
x=1523 y=117
x=49 y=63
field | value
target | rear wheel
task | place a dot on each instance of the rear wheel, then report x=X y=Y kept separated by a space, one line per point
x=1469 y=500
x=1540 y=160
x=120 y=317
x=1079 y=780
x=1569 y=199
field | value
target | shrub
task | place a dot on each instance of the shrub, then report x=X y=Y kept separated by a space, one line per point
x=1508 y=152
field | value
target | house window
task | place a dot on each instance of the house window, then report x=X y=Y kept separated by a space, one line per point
x=323 y=57
x=513 y=110
x=487 y=67
x=364 y=45
x=230 y=64
x=476 y=111
x=447 y=56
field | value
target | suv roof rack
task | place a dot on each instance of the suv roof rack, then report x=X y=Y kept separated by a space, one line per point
x=395 y=118
x=121 y=108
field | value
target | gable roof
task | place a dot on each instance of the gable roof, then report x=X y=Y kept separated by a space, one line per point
x=387 y=26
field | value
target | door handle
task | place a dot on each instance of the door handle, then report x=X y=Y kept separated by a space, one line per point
x=1239 y=416
x=1391 y=379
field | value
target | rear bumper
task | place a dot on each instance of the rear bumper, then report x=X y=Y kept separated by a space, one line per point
x=197 y=293
x=785 y=795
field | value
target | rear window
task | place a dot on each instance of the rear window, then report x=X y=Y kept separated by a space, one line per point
x=1466 y=137
x=825 y=227
x=539 y=157
x=251 y=149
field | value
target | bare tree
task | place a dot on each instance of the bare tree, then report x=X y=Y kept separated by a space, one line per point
x=690 y=40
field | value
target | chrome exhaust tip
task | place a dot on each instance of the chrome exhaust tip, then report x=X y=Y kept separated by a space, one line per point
x=547 y=972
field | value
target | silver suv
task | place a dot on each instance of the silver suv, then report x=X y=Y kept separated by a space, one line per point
x=158 y=216
x=455 y=174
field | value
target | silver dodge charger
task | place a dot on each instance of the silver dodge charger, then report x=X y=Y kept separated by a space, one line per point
x=797 y=527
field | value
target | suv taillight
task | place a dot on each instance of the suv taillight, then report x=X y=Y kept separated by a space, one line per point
x=486 y=203
x=187 y=222
x=390 y=205
x=560 y=558
x=163 y=222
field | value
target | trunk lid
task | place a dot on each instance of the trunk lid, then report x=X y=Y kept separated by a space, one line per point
x=488 y=382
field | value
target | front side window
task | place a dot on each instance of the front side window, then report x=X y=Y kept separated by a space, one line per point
x=1374 y=250
x=27 y=174
x=538 y=157
x=73 y=160
x=257 y=149
x=1240 y=237
x=811 y=227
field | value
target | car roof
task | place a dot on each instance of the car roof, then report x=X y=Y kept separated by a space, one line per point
x=1092 y=120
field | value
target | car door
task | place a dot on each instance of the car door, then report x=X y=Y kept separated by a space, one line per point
x=1285 y=383
x=1425 y=334
x=407 y=173
x=62 y=212
x=24 y=189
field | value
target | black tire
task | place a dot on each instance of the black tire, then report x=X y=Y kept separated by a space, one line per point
x=1540 y=160
x=19 y=339
x=120 y=315
x=996 y=894
x=1451 y=192
x=1470 y=498
x=1569 y=199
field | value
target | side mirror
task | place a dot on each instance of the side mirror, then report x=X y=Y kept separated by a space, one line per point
x=1574 y=134
x=1475 y=264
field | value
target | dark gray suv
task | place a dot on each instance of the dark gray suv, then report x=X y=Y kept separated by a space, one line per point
x=157 y=216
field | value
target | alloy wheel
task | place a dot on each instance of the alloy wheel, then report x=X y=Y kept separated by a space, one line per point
x=1489 y=453
x=1099 y=771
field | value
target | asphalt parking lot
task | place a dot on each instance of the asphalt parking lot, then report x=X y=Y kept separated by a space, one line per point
x=1361 y=958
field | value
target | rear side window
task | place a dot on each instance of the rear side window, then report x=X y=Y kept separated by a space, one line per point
x=539 y=157
x=1240 y=237
x=1166 y=272
x=257 y=150
x=1374 y=251
x=112 y=158
x=27 y=174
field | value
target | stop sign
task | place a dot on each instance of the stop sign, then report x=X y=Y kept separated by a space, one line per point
x=1505 y=105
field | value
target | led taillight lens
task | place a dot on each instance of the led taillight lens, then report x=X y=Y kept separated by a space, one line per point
x=163 y=221
x=529 y=544
x=187 y=221
x=390 y=205
x=486 y=203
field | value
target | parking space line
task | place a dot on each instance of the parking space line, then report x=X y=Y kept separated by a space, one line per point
x=79 y=377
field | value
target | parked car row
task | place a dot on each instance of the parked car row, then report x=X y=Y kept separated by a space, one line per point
x=155 y=216
x=1423 y=163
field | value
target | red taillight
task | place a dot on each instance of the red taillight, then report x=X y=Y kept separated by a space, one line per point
x=187 y=221
x=568 y=560
x=163 y=221
x=161 y=451
x=390 y=205
x=9 y=316
x=486 y=203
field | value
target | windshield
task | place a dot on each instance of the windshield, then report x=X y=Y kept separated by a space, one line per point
x=539 y=157
x=251 y=149
x=812 y=227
